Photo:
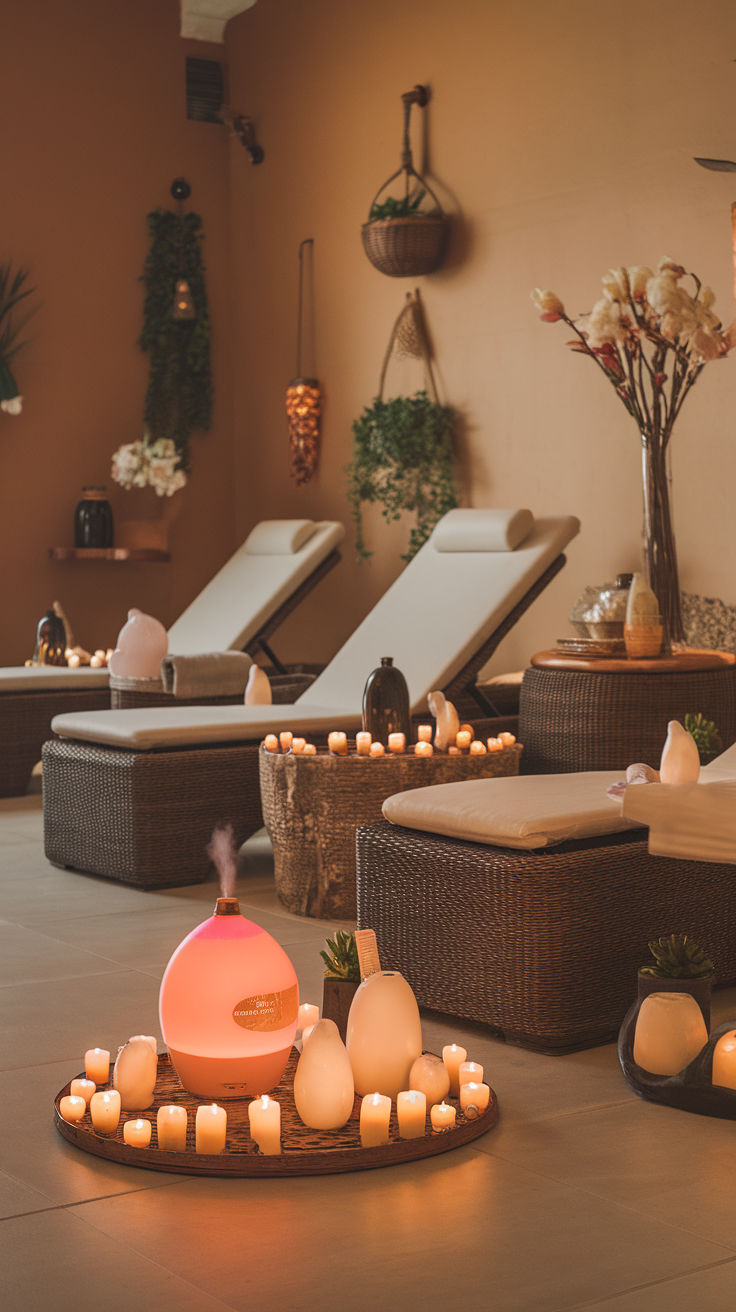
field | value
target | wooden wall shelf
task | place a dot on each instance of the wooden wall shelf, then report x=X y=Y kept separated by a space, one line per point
x=108 y=553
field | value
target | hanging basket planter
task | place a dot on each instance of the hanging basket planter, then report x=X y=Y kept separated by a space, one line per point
x=399 y=239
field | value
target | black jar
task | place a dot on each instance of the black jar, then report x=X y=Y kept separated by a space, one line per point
x=93 y=519
x=386 y=703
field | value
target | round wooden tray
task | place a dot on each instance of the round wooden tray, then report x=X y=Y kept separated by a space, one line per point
x=304 y=1151
x=686 y=660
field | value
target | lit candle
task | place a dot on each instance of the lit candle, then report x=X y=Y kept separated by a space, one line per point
x=210 y=1129
x=308 y=1015
x=442 y=1116
x=104 y=1109
x=305 y=1034
x=96 y=662
x=286 y=739
x=97 y=1065
x=463 y=739
x=670 y=1032
x=494 y=745
x=474 y=1098
x=423 y=749
x=453 y=751
x=171 y=1129
x=470 y=1070
x=83 y=1089
x=506 y=739
x=363 y=744
x=424 y=733
x=375 y=1113
x=338 y=743
x=298 y=745
x=309 y=750
x=467 y=728
x=724 y=1061
x=411 y=1108
x=397 y=743
x=72 y=1108
x=73 y=661
x=452 y=1056
x=137 y=1134
x=377 y=749
x=271 y=742
x=477 y=748
x=264 y=1116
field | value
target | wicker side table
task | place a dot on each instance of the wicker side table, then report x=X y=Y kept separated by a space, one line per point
x=312 y=806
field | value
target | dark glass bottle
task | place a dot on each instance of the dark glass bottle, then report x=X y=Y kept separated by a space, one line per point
x=386 y=703
x=93 y=520
x=50 y=640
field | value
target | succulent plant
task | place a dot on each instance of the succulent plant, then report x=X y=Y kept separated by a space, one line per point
x=677 y=957
x=707 y=738
x=342 y=959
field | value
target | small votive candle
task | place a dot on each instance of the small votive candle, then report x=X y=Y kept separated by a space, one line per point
x=477 y=748
x=338 y=743
x=494 y=745
x=474 y=1099
x=452 y=1056
x=411 y=1108
x=83 y=1089
x=423 y=749
x=308 y=1015
x=463 y=739
x=363 y=743
x=97 y=1065
x=73 y=661
x=286 y=739
x=377 y=749
x=137 y=1134
x=298 y=745
x=104 y=1108
x=210 y=1129
x=507 y=739
x=271 y=742
x=72 y=1108
x=96 y=662
x=424 y=733
x=397 y=743
x=171 y=1129
x=467 y=728
x=375 y=1113
x=454 y=751
x=309 y=750
x=442 y=1116
x=470 y=1070
x=264 y=1116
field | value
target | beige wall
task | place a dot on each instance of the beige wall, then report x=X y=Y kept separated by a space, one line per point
x=562 y=135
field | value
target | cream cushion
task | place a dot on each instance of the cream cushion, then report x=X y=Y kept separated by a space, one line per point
x=279 y=537
x=483 y=530
x=187 y=726
x=48 y=678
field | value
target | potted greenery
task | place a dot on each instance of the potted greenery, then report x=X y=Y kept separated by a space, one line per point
x=680 y=966
x=342 y=978
x=707 y=738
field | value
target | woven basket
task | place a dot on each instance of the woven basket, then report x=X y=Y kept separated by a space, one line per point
x=405 y=248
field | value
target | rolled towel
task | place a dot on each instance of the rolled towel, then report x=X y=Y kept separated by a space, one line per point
x=213 y=674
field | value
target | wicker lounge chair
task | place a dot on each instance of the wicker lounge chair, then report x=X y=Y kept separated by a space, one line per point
x=124 y=790
x=240 y=609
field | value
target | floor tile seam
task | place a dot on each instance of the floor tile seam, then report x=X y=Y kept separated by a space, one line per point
x=650 y=1284
x=116 y=968
x=34 y=1211
x=576 y=1111
x=129 y=1193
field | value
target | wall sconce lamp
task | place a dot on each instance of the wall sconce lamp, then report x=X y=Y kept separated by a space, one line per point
x=242 y=127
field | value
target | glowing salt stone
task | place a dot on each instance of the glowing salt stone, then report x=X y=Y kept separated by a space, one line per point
x=384 y=1034
x=680 y=763
x=258 y=688
x=670 y=1032
x=228 y=1007
x=430 y=1076
x=134 y=1075
x=142 y=644
x=323 y=1084
x=724 y=1061
x=448 y=720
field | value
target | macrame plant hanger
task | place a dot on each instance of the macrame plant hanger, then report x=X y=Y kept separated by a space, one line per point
x=408 y=341
x=303 y=401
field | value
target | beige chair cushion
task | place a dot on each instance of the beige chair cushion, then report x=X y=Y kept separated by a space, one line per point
x=189 y=726
x=47 y=678
x=483 y=530
x=279 y=537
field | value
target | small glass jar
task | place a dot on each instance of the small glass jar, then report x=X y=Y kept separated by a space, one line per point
x=93 y=526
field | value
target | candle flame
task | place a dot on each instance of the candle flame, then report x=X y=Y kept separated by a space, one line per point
x=221 y=852
x=265 y=1100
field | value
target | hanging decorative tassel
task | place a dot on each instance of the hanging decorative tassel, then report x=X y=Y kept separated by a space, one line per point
x=303 y=403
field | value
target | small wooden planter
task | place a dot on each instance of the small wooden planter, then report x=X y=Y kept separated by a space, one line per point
x=312 y=806
x=337 y=998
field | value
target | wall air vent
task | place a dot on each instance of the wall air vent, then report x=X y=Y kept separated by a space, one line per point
x=205 y=90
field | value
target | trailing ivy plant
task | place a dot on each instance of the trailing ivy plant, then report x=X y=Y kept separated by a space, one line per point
x=391 y=208
x=179 y=396
x=402 y=459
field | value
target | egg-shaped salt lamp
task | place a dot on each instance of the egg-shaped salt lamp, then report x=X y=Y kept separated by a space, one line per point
x=323 y=1083
x=384 y=1034
x=724 y=1061
x=142 y=644
x=134 y=1075
x=680 y=763
x=670 y=1032
x=430 y=1076
x=258 y=688
x=228 y=1007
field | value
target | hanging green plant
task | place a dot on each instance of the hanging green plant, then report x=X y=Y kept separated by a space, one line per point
x=11 y=292
x=179 y=396
x=402 y=456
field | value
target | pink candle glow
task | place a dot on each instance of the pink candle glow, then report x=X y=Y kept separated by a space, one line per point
x=72 y=1108
x=474 y=1098
x=423 y=749
x=442 y=1116
x=271 y=742
x=477 y=748
x=298 y=745
x=463 y=739
x=363 y=744
x=397 y=743
x=338 y=743
x=494 y=745
x=309 y=749
x=424 y=733
x=83 y=1089
x=286 y=739
x=470 y=1070
x=377 y=749
x=97 y=1065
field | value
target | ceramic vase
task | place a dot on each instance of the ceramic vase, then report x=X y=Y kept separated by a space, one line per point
x=384 y=1034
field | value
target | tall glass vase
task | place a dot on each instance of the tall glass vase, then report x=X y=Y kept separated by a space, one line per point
x=660 y=553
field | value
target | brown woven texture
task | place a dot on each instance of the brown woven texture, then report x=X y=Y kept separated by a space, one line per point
x=303 y=1151
x=145 y=817
x=25 y=724
x=312 y=806
x=405 y=248
x=586 y=721
x=543 y=946
x=285 y=688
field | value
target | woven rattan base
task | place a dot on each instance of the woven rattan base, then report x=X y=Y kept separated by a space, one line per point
x=304 y=1151
x=145 y=817
x=285 y=688
x=25 y=724
x=582 y=720
x=544 y=946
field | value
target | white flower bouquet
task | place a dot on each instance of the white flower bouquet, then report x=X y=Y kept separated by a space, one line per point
x=146 y=463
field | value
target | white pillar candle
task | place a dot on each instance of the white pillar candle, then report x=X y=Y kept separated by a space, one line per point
x=463 y=739
x=397 y=743
x=377 y=749
x=271 y=742
x=338 y=743
x=474 y=1098
x=286 y=739
x=477 y=748
x=442 y=1116
x=724 y=1061
x=72 y=1108
x=97 y=1065
x=104 y=1109
x=308 y=1015
x=424 y=733
x=452 y=1056
x=375 y=1114
x=298 y=745
x=137 y=1134
x=309 y=750
x=83 y=1089
x=363 y=744
x=670 y=1032
x=470 y=1070
x=411 y=1108
x=423 y=749
x=506 y=739
x=210 y=1129
x=171 y=1129
x=264 y=1116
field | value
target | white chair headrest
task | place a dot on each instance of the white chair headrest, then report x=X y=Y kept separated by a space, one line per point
x=482 y=530
x=279 y=537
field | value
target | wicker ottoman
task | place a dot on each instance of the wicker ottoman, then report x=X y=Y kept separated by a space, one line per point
x=543 y=946
x=25 y=724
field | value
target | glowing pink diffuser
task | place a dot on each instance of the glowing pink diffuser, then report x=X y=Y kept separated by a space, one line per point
x=228 y=1007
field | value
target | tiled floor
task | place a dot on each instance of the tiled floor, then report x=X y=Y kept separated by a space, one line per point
x=582 y=1197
